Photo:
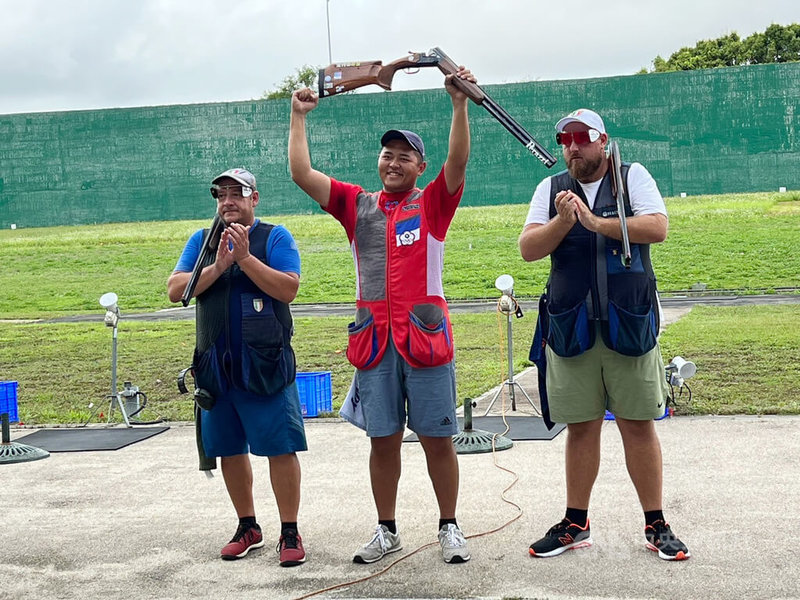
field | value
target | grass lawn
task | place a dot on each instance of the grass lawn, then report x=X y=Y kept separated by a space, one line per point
x=747 y=357
x=746 y=365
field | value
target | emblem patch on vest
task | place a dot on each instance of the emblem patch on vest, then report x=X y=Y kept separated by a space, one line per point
x=258 y=304
x=407 y=232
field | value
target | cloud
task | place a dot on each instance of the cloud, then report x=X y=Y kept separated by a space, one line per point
x=79 y=54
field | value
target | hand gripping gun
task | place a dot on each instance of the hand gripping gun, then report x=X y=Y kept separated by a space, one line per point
x=207 y=253
x=344 y=77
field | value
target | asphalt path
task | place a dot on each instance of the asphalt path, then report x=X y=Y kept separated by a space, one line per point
x=458 y=306
x=142 y=522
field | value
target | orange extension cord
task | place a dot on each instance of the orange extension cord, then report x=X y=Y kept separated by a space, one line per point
x=496 y=464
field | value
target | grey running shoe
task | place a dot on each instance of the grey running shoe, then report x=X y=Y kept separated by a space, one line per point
x=453 y=543
x=383 y=542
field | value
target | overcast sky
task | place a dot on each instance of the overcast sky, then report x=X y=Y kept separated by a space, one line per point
x=85 y=54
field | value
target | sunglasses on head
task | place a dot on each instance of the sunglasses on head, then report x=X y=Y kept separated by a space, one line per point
x=230 y=190
x=580 y=137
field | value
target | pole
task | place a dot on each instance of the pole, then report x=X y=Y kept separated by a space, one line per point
x=113 y=367
x=114 y=394
x=328 y=20
x=510 y=364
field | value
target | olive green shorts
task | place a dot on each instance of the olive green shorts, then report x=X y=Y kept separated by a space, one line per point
x=581 y=388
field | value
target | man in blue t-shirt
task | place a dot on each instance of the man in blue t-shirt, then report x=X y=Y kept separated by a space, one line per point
x=244 y=361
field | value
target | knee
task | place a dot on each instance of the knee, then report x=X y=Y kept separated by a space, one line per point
x=584 y=432
x=437 y=446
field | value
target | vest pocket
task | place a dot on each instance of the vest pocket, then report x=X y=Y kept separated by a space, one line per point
x=207 y=374
x=632 y=332
x=363 y=345
x=429 y=342
x=569 y=333
x=267 y=371
x=267 y=359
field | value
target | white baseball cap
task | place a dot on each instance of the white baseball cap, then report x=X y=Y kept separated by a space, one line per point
x=243 y=176
x=585 y=116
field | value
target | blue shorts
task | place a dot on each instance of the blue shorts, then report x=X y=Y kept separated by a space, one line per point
x=265 y=426
x=429 y=395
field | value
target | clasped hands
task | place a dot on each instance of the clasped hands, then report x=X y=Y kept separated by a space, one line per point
x=571 y=208
x=234 y=245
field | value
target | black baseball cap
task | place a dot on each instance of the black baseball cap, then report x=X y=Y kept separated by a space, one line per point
x=411 y=138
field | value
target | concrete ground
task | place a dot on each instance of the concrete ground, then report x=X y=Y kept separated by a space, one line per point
x=142 y=522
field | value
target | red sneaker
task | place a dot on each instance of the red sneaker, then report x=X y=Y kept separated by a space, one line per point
x=246 y=539
x=290 y=549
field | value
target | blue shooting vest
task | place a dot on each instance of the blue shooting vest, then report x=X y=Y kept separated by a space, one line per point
x=243 y=334
x=589 y=284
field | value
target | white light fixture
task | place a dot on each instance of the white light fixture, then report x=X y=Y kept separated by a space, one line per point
x=679 y=369
x=505 y=283
x=109 y=302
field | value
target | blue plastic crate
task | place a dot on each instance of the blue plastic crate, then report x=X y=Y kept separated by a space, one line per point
x=8 y=400
x=315 y=394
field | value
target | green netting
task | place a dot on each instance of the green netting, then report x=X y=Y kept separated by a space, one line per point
x=698 y=132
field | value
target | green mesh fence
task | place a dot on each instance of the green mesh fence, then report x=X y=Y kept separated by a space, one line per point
x=698 y=132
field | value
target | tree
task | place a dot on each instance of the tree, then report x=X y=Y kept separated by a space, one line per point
x=777 y=44
x=303 y=77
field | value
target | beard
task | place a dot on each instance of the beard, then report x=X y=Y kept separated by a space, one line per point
x=584 y=170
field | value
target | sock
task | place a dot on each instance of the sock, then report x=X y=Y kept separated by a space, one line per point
x=288 y=525
x=577 y=516
x=443 y=522
x=390 y=525
x=651 y=516
x=248 y=521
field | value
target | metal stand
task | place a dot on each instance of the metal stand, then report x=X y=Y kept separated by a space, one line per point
x=475 y=441
x=14 y=452
x=510 y=381
x=115 y=396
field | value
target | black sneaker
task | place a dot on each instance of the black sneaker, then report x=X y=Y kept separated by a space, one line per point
x=661 y=539
x=560 y=538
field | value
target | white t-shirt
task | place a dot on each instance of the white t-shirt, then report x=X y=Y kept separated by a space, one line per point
x=642 y=190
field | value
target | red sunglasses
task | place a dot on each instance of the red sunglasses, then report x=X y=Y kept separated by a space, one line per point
x=580 y=137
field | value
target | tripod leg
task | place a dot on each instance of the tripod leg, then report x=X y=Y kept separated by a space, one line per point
x=522 y=389
x=121 y=405
x=494 y=399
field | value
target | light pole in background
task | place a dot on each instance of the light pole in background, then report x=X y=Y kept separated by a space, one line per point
x=328 y=20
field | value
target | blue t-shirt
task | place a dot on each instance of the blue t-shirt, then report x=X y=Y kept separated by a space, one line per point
x=282 y=253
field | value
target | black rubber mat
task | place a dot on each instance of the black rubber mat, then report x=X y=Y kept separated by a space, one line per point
x=520 y=428
x=81 y=439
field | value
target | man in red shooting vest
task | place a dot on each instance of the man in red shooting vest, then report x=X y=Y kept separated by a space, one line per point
x=401 y=341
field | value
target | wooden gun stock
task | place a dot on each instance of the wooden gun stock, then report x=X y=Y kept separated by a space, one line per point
x=344 y=77
x=618 y=189
x=207 y=252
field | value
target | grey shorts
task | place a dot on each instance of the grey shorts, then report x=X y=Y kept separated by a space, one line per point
x=393 y=390
x=581 y=388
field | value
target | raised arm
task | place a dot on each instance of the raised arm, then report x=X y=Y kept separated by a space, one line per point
x=455 y=167
x=314 y=183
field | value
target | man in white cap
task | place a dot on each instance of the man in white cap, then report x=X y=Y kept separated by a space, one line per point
x=401 y=341
x=599 y=322
x=244 y=361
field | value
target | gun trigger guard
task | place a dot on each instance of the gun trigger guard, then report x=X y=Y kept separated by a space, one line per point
x=182 y=380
